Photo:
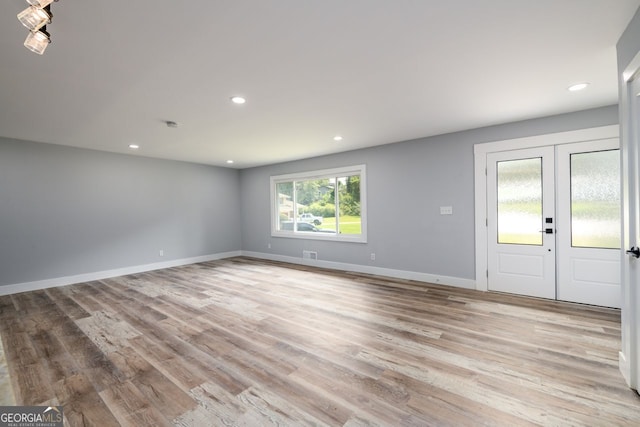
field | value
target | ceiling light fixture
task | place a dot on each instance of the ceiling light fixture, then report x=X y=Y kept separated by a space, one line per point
x=238 y=100
x=134 y=146
x=230 y=162
x=40 y=3
x=578 y=87
x=337 y=138
x=37 y=41
x=35 y=18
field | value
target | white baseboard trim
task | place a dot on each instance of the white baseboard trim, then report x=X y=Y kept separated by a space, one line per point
x=624 y=367
x=379 y=271
x=100 y=275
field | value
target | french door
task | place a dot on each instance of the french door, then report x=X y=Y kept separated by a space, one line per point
x=521 y=212
x=589 y=210
x=553 y=222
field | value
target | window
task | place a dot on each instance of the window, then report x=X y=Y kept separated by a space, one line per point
x=327 y=205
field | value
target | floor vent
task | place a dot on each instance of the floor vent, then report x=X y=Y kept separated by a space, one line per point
x=309 y=255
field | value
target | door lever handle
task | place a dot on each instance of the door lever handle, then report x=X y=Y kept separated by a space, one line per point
x=634 y=251
x=547 y=231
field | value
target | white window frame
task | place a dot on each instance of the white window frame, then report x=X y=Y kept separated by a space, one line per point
x=320 y=174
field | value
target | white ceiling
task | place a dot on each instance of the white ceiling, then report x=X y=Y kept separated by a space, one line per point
x=373 y=71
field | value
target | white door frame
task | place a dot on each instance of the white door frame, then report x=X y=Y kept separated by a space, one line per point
x=480 y=167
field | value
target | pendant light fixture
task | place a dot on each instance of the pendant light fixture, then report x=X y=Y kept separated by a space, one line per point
x=37 y=41
x=40 y=3
x=35 y=18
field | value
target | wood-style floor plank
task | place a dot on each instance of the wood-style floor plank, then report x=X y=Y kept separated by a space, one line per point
x=246 y=342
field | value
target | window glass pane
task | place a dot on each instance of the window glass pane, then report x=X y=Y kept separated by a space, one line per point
x=520 y=201
x=350 y=221
x=595 y=199
x=316 y=204
x=284 y=194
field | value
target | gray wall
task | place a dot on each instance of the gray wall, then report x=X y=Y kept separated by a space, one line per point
x=68 y=211
x=629 y=44
x=407 y=183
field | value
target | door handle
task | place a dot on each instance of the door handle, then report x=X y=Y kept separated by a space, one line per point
x=547 y=231
x=634 y=251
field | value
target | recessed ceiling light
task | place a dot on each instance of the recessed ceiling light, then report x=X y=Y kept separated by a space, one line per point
x=577 y=87
x=134 y=146
x=238 y=100
x=337 y=138
x=229 y=162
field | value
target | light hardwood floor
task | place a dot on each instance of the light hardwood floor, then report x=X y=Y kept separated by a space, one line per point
x=250 y=343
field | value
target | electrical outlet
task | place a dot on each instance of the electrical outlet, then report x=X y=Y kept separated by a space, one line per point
x=373 y=256
x=268 y=245
x=161 y=252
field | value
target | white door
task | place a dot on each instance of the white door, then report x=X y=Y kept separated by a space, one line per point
x=633 y=263
x=553 y=222
x=630 y=352
x=588 y=229
x=634 y=253
x=520 y=222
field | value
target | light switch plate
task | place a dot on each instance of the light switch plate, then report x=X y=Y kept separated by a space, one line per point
x=446 y=210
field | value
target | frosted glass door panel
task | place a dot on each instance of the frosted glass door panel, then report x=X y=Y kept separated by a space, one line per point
x=595 y=199
x=520 y=201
